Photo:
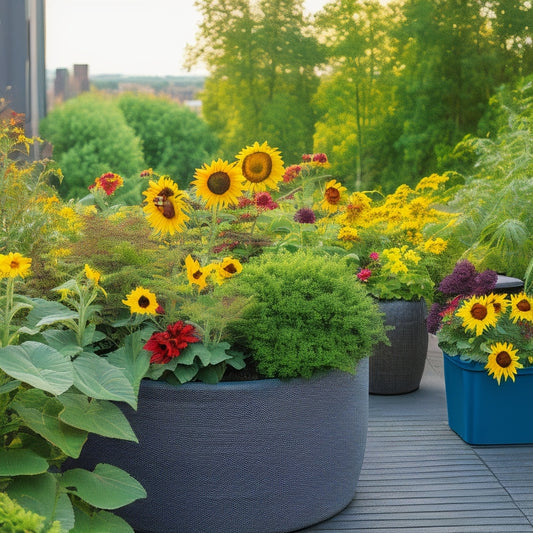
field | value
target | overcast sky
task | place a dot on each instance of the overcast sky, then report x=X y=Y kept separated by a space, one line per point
x=146 y=37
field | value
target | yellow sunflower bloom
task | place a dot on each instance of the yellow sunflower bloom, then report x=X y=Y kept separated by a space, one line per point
x=227 y=268
x=195 y=273
x=141 y=301
x=499 y=302
x=219 y=184
x=502 y=361
x=261 y=167
x=165 y=206
x=333 y=196
x=13 y=265
x=477 y=314
x=521 y=307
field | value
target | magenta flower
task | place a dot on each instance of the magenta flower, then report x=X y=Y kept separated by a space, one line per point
x=374 y=256
x=364 y=274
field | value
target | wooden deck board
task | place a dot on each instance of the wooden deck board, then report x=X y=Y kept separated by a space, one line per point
x=419 y=476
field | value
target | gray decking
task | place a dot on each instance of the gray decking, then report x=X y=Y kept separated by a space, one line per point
x=419 y=476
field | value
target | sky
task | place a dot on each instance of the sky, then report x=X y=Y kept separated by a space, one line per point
x=139 y=37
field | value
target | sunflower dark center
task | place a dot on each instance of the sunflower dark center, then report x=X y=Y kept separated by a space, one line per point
x=197 y=274
x=143 y=302
x=333 y=195
x=503 y=359
x=218 y=182
x=14 y=264
x=230 y=268
x=478 y=311
x=523 y=305
x=497 y=307
x=257 y=167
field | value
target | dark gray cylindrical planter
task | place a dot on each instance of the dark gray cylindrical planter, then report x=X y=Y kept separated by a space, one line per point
x=398 y=368
x=261 y=456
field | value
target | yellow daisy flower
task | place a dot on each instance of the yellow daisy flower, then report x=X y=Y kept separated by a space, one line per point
x=219 y=183
x=346 y=233
x=227 y=268
x=195 y=273
x=141 y=301
x=13 y=265
x=503 y=361
x=333 y=196
x=261 y=167
x=521 y=307
x=165 y=206
x=477 y=314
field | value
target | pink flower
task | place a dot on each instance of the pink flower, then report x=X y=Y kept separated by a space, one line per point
x=374 y=256
x=364 y=274
x=291 y=173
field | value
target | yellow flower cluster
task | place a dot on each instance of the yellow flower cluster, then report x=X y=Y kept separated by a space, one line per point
x=398 y=259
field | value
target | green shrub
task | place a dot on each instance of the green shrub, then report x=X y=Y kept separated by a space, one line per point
x=90 y=136
x=307 y=315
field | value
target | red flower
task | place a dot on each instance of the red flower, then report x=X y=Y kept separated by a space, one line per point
x=306 y=158
x=364 y=274
x=263 y=200
x=108 y=182
x=320 y=158
x=374 y=256
x=165 y=345
x=291 y=173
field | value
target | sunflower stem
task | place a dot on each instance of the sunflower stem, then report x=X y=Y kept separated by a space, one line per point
x=7 y=312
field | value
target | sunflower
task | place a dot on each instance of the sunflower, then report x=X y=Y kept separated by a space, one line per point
x=141 y=301
x=13 y=265
x=227 y=268
x=502 y=361
x=219 y=184
x=477 y=314
x=521 y=307
x=165 y=206
x=333 y=196
x=195 y=273
x=261 y=167
x=499 y=302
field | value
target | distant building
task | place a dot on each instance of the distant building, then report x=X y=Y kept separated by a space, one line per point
x=67 y=86
x=22 y=62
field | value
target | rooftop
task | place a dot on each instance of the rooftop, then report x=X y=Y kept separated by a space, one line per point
x=419 y=476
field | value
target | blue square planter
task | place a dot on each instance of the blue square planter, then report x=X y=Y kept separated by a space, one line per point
x=482 y=412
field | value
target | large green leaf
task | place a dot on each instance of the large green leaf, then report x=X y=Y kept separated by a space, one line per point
x=132 y=358
x=42 y=416
x=38 y=365
x=107 y=487
x=102 y=522
x=97 y=378
x=63 y=340
x=96 y=416
x=21 y=462
x=46 y=312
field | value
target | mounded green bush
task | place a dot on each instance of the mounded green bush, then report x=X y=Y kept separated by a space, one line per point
x=307 y=314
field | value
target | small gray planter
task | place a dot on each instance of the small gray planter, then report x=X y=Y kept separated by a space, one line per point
x=263 y=456
x=398 y=368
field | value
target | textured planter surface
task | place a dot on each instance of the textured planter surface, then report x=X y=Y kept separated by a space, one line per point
x=398 y=368
x=482 y=412
x=242 y=457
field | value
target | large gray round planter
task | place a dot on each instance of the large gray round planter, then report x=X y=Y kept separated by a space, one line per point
x=262 y=456
x=398 y=368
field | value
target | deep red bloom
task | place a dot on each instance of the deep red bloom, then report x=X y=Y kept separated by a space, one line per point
x=320 y=158
x=108 y=182
x=374 y=256
x=364 y=274
x=165 y=345
x=306 y=158
x=263 y=200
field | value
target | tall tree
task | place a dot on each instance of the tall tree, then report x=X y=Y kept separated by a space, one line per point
x=357 y=93
x=261 y=58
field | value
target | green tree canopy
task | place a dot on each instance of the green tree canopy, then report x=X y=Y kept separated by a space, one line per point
x=175 y=141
